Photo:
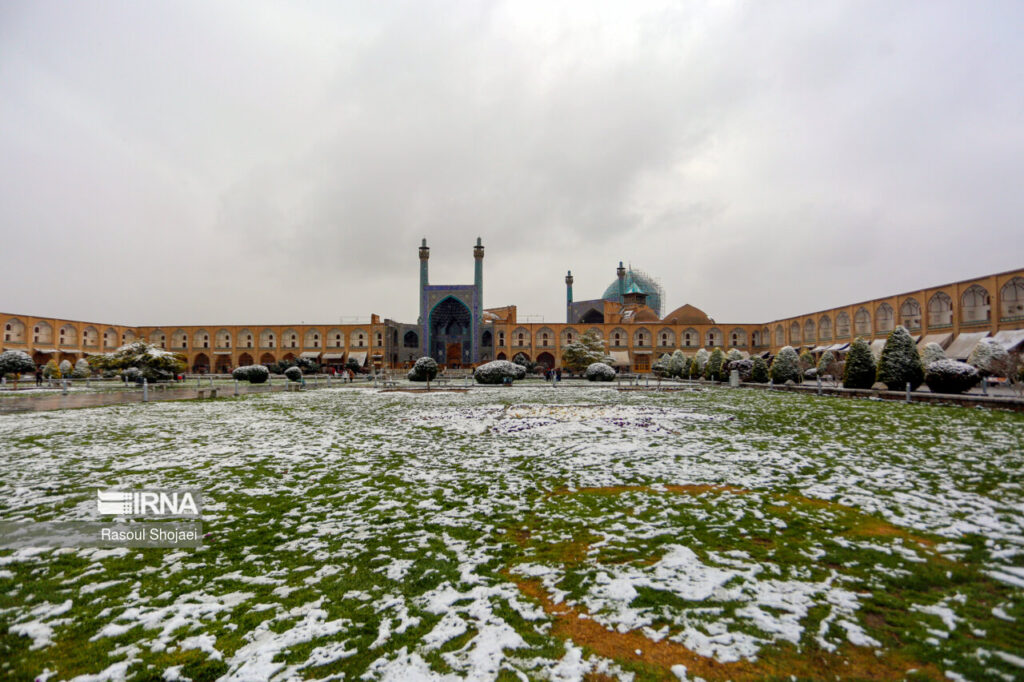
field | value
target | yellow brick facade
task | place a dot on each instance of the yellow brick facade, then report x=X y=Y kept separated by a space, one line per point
x=991 y=303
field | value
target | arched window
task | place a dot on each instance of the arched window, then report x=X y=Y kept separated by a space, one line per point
x=884 y=318
x=825 y=328
x=842 y=325
x=780 y=335
x=794 y=333
x=940 y=310
x=974 y=305
x=910 y=314
x=1011 y=298
x=862 y=322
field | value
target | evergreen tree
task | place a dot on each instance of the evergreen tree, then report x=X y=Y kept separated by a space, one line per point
x=51 y=370
x=932 y=353
x=900 y=364
x=860 y=366
x=579 y=355
x=677 y=364
x=662 y=368
x=714 y=369
x=700 y=359
x=759 y=373
x=990 y=358
x=786 y=366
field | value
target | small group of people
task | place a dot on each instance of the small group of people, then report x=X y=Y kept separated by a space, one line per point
x=553 y=375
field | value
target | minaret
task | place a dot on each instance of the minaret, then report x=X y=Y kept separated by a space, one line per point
x=478 y=309
x=568 y=297
x=621 y=272
x=424 y=280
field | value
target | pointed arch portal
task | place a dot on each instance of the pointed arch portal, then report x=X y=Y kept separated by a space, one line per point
x=451 y=333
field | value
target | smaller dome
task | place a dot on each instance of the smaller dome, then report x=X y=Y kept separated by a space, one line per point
x=687 y=314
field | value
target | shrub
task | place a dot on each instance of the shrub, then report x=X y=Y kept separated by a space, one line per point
x=990 y=358
x=744 y=367
x=51 y=370
x=900 y=364
x=733 y=356
x=598 y=371
x=786 y=366
x=951 y=376
x=254 y=374
x=860 y=366
x=82 y=369
x=498 y=372
x=133 y=374
x=425 y=369
x=293 y=374
x=811 y=374
x=713 y=370
x=677 y=364
x=353 y=365
x=700 y=359
x=759 y=371
x=65 y=368
x=932 y=352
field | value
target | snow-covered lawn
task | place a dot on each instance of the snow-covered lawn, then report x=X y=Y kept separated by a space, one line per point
x=526 y=533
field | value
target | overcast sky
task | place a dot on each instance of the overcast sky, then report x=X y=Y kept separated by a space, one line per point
x=249 y=162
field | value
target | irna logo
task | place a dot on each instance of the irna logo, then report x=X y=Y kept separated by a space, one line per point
x=148 y=502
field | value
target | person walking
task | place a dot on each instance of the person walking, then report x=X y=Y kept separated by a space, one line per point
x=39 y=375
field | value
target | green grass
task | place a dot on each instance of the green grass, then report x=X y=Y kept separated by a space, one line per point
x=310 y=498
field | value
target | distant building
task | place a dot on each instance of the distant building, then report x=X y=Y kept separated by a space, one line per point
x=456 y=330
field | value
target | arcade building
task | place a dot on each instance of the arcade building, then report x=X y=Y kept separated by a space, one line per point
x=457 y=330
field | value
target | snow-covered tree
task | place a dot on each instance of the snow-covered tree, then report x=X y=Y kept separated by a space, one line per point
x=951 y=376
x=498 y=372
x=700 y=359
x=66 y=368
x=860 y=366
x=15 y=363
x=599 y=371
x=293 y=374
x=425 y=369
x=932 y=352
x=900 y=364
x=714 y=369
x=82 y=369
x=580 y=354
x=662 y=367
x=990 y=358
x=733 y=356
x=677 y=364
x=153 y=362
x=786 y=366
x=254 y=374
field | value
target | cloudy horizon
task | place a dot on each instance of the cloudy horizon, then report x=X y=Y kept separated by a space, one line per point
x=272 y=163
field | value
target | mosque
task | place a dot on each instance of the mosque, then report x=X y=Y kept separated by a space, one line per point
x=457 y=330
